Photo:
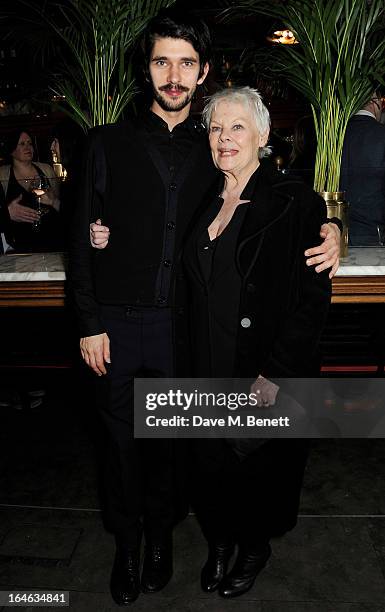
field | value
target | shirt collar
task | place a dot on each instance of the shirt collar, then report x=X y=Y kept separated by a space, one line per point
x=153 y=123
x=366 y=113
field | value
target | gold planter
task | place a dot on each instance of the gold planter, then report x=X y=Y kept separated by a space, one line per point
x=338 y=207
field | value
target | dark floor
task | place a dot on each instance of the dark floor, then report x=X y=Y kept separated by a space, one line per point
x=51 y=535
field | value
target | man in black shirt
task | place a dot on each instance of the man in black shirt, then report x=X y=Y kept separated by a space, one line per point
x=145 y=179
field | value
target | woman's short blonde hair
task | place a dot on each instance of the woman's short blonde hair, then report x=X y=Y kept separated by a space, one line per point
x=251 y=99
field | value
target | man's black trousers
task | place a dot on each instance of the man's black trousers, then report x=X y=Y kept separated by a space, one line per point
x=139 y=475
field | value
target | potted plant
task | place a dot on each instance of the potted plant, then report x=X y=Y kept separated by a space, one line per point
x=94 y=80
x=339 y=61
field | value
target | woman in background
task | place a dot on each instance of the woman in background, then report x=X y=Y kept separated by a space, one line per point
x=25 y=229
x=302 y=157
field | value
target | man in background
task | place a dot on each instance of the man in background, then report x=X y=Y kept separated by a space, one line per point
x=363 y=174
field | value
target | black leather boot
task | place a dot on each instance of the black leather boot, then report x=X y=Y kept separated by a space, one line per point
x=157 y=567
x=125 y=582
x=216 y=566
x=246 y=568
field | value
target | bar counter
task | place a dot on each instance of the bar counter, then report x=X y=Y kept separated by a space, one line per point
x=361 y=277
x=38 y=279
x=32 y=280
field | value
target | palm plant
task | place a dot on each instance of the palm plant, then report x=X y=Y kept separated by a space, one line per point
x=96 y=78
x=337 y=65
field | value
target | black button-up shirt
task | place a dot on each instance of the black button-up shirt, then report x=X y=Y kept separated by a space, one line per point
x=170 y=150
x=173 y=146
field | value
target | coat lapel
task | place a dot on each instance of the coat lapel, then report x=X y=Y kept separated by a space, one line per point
x=270 y=200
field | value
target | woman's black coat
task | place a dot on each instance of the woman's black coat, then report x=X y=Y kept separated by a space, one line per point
x=283 y=302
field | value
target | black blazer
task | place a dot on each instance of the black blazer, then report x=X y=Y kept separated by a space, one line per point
x=122 y=184
x=363 y=176
x=283 y=302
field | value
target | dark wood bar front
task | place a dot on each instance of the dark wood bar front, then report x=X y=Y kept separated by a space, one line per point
x=32 y=294
x=32 y=280
x=358 y=290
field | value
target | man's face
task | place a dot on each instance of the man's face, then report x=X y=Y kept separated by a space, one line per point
x=174 y=71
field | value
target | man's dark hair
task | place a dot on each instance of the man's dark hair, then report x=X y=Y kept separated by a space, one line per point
x=173 y=23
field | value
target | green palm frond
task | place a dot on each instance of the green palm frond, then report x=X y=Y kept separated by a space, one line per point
x=101 y=37
x=97 y=39
x=336 y=66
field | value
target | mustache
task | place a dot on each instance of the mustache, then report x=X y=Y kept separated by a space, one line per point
x=174 y=87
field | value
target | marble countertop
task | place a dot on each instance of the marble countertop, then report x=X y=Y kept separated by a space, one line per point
x=361 y=261
x=32 y=267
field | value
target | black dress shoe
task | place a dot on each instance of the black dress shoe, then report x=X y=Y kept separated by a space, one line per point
x=157 y=567
x=246 y=568
x=125 y=583
x=215 y=567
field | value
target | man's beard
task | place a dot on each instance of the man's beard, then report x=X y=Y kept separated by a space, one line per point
x=167 y=105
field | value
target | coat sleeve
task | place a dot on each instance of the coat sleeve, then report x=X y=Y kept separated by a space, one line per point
x=81 y=254
x=295 y=349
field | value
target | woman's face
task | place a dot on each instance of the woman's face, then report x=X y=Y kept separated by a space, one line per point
x=234 y=138
x=24 y=148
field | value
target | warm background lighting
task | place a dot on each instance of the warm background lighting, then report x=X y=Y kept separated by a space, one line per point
x=283 y=37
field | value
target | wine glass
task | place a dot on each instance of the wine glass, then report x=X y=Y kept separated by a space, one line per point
x=39 y=186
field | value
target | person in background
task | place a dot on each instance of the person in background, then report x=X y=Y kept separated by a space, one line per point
x=302 y=157
x=66 y=152
x=24 y=229
x=3 y=221
x=363 y=174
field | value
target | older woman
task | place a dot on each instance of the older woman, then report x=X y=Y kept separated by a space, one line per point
x=22 y=225
x=257 y=311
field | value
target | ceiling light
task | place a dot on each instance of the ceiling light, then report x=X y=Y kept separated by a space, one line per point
x=283 y=37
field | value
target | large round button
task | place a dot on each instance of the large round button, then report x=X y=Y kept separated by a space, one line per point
x=245 y=322
x=171 y=225
x=172 y=187
x=161 y=299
